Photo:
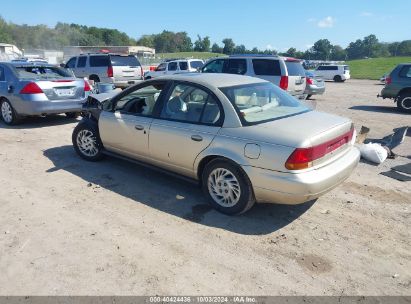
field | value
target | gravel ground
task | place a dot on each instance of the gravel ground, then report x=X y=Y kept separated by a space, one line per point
x=70 y=227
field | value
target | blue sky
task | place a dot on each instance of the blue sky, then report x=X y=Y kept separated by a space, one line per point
x=261 y=23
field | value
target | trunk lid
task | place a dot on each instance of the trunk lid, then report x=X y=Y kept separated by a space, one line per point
x=62 y=89
x=126 y=67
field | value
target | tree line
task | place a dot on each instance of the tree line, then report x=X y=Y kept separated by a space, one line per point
x=64 y=34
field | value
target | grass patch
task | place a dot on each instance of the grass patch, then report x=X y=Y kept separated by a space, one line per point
x=195 y=55
x=374 y=68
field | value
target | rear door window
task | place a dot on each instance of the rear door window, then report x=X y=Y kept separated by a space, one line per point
x=346 y=68
x=131 y=61
x=266 y=67
x=99 y=61
x=295 y=68
x=236 y=66
x=215 y=66
x=183 y=65
x=2 y=77
x=71 y=63
x=172 y=66
x=81 y=63
x=406 y=71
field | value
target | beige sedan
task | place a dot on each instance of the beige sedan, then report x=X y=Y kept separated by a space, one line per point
x=242 y=138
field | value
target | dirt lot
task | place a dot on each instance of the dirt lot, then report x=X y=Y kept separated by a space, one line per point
x=72 y=227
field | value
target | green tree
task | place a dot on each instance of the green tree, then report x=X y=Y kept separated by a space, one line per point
x=404 y=48
x=216 y=48
x=229 y=46
x=322 y=49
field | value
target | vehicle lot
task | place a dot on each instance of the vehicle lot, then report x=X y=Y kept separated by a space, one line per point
x=74 y=227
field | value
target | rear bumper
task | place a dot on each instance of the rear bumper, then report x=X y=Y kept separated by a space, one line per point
x=314 y=90
x=50 y=107
x=288 y=188
x=345 y=76
x=126 y=83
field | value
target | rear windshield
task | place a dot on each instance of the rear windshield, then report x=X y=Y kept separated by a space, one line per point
x=41 y=72
x=346 y=68
x=124 y=61
x=262 y=102
x=266 y=67
x=295 y=68
x=196 y=64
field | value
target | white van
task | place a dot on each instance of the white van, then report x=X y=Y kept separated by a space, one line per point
x=336 y=72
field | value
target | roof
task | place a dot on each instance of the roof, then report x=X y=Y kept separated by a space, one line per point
x=215 y=80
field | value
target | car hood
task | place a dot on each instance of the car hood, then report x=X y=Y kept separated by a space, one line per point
x=302 y=130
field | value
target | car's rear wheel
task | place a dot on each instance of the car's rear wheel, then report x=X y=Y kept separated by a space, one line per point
x=227 y=187
x=87 y=143
x=404 y=102
x=8 y=114
x=337 y=78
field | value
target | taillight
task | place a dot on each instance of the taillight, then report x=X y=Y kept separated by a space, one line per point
x=309 y=80
x=110 y=71
x=388 y=80
x=31 y=88
x=86 y=86
x=284 y=82
x=302 y=158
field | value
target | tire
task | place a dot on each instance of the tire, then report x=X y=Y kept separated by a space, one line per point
x=337 y=78
x=8 y=114
x=72 y=115
x=86 y=142
x=309 y=96
x=95 y=78
x=227 y=187
x=404 y=102
x=147 y=78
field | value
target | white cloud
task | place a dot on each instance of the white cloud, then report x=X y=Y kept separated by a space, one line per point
x=269 y=47
x=326 y=22
x=366 y=14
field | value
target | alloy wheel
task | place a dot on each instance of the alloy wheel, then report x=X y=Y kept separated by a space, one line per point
x=6 y=112
x=224 y=187
x=87 y=143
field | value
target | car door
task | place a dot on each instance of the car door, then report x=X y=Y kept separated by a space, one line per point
x=172 y=67
x=190 y=118
x=71 y=65
x=267 y=69
x=124 y=128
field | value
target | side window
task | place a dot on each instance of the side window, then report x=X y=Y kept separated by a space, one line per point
x=334 y=68
x=71 y=63
x=236 y=66
x=2 y=76
x=81 y=63
x=172 y=66
x=141 y=101
x=99 y=61
x=266 y=67
x=215 y=66
x=190 y=104
x=406 y=71
x=161 y=67
x=320 y=68
x=183 y=65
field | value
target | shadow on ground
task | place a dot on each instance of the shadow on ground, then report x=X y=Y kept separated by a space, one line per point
x=170 y=194
x=380 y=109
x=40 y=122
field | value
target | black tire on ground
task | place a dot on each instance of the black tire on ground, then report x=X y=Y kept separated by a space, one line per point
x=86 y=142
x=147 y=78
x=72 y=114
x=404 y=102
x=246 y=198
x=9 y=117
x=337 y=78
x=309 y=96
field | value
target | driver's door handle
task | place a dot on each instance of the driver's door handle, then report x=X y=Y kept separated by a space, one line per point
x=139 y=127
x=196 y=137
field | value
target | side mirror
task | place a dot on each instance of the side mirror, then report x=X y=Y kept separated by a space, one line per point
x=62 y=65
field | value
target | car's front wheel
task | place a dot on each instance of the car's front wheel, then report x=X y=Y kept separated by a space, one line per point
x=227 y=187
x=86 y=142
x=404 y=102
x=8 y=114
x=72 y=115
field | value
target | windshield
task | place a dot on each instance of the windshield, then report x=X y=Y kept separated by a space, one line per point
x=262 y=102
x=124 y=61
x=41 y=72
x=295 y=68
x=196 y=64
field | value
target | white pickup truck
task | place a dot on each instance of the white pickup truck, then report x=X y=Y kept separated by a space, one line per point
x=174 y=67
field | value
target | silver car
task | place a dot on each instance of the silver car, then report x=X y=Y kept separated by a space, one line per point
x=29 y=89
x=315 y=85
x=242 y=138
